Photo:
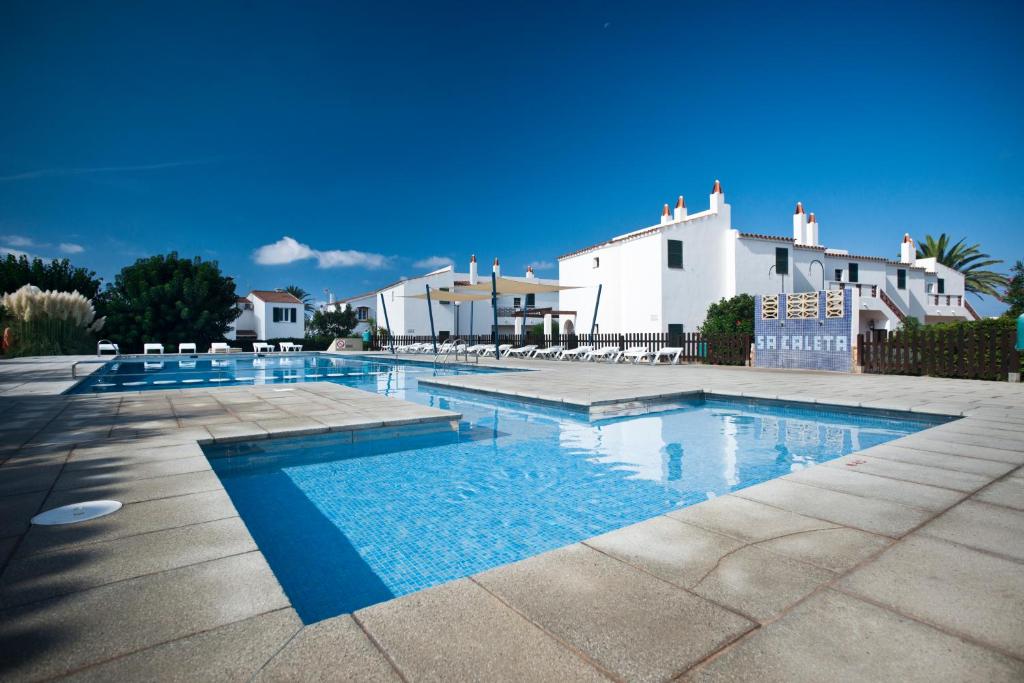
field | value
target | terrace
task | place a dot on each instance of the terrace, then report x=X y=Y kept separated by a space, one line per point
x=900 y=561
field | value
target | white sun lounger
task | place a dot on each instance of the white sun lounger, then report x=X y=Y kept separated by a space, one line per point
x=187 y=347
x=152 y=348
x=522 y=351
x=634 y=354
x=259 y=347
x=573 y=354
x=603 y=353
x=489 y=351
x=548 y=352
x=107 y=345
x=477 y=349
x=220 y=347
x=289 y=347
x=670 y=352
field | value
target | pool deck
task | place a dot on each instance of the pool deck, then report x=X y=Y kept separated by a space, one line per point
x=901 y=562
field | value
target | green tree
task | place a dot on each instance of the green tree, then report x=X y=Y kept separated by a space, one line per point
x=58 y=275
x=968 y=259
x=730 y=316
x=170 y=300
x=1014 y=295
x=303 y=296
x=332 y=323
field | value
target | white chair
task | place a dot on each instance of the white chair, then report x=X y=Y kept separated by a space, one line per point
x=522 y=351
x=107 y=345
x=261 y=347
x=548 y=352
x=573 y=354
x=152 y=348
x=220 y=347
x=187 y=347
x=670 y=352
x=603 y=353
x=634 y=354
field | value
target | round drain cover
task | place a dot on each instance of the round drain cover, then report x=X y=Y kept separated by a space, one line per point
x=76 y=512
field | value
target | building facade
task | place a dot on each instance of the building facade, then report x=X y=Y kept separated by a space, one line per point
x=408 y=315
x=266 y=314
x=663 y=277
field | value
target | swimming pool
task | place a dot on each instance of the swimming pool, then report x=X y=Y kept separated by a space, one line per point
x=345 y=525
x=190 y=372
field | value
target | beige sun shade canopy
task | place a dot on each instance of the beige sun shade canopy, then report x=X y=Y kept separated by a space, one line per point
x=509 y=286
x=438 y=295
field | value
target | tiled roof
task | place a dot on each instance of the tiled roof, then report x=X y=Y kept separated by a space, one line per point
x=272 y=297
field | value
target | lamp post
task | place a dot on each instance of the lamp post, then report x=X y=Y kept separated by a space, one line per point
x=782 y=275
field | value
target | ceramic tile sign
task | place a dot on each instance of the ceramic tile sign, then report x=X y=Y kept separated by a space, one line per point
x=806 y=330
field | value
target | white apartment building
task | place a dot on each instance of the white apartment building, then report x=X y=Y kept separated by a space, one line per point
x=268 y=315
x=663 y=277
x=409 y=316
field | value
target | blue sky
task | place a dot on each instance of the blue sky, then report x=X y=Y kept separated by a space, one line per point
x=383 y=137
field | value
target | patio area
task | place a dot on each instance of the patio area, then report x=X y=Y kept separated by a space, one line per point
x=904 y=561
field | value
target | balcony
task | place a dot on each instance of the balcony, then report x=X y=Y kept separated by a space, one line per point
x=863 y=289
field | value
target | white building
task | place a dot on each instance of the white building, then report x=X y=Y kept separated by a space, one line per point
x=268 y=315
x=409 y=316
x=662 y=278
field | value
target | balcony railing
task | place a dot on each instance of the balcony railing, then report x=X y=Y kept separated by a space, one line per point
x=863 y=289
x=945 y=300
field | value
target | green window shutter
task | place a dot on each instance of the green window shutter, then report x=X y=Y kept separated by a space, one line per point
x=901 y=279
x=942 y=286
x=854 y=273
x=675 y=254
x=531 y=300
x=782 y=261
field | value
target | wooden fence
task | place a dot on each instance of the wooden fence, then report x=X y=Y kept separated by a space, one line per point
x=717 y=350
x=973 y=353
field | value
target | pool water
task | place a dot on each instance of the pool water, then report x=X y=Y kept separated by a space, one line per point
x=191 y=372
x=346 y=525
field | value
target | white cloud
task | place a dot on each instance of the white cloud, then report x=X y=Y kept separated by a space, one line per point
x=542 y=265
x=56 y=172
x=15 y=252
x=289 y=250
x=433 y=262
x=70 y=248
x=19 y=241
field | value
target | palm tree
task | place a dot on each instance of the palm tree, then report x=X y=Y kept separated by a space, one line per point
x=969 y=260
x=303 y=296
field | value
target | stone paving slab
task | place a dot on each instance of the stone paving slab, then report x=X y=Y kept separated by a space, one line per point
x=459 y=631
x=872 y=515
x=933 y=469
x=233 y=652
x=77 y=568
x=47 y=638
x=951 y=586
x=132 y=519
x=1009 y=492
x=835 y=637
x=996 y=529
x=630 y=623
x=853 y=479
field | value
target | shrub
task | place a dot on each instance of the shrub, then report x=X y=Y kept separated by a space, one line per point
x=49 y=323
x=730 y=316
x=170 y=300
